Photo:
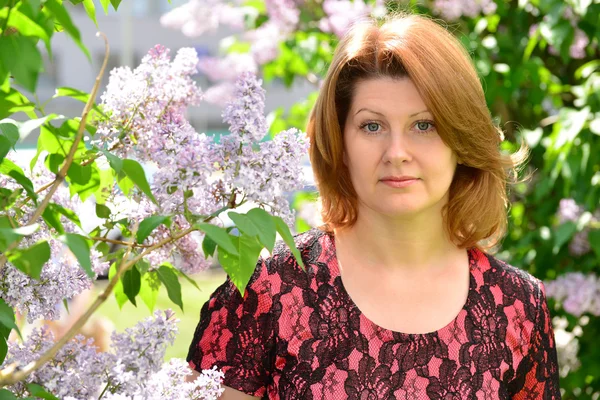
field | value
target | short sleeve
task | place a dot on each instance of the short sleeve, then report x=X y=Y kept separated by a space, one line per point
x=237 y=335
x=537 y=375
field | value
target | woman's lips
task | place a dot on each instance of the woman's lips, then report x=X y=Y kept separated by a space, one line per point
x=399 y=184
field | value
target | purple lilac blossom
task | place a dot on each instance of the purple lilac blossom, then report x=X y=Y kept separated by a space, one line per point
x=452 y=10
x=77 y=370
x=579 y=293
x=204 y=16
x=140 y=351
x=228 y=67
x=149 y=101
x=341 y=14
x=133 y=370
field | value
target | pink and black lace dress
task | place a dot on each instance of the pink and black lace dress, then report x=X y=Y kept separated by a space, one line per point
x=298 y=335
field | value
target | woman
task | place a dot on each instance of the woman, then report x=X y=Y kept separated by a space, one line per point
x=399 y=300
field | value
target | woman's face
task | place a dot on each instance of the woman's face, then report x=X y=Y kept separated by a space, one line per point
x=389 y=136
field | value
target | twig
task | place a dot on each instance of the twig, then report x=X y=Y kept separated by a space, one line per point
x=103 y=239
x=63 y=172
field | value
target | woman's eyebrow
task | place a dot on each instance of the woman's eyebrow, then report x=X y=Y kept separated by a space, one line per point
x=378 y=113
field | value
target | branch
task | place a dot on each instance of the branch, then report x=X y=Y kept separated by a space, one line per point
x=8 y=376
x=63 y=172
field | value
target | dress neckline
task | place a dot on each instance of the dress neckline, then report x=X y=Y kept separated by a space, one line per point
x=335 y=271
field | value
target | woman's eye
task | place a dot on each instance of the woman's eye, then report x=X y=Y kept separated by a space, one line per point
x=425 y=126
x=370 y=127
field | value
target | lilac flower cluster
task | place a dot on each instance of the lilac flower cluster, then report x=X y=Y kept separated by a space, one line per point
x=452 y=10
x=264 y=171
x=569 y=210
x=77 y=370
x=133 y=370
x=579 y=293
x=146 y=106
x=199 y=176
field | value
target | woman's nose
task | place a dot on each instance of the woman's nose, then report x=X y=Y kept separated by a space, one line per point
x=397 y=149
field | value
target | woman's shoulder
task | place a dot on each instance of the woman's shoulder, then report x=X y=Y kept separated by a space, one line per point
x=511 y=281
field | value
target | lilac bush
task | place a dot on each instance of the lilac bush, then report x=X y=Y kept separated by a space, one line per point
x=141 y=117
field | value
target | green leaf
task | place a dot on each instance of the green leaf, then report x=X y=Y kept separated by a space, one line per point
x=120 y=295
x=187 y=278
x=240 y=267
x=63 y=17
x=131 y=283
x=52 y=218
x=594 y=239
x=25 y=128
x=32 y=259
x=25 y=62
x=27 y=27
x=107 y=181
x=149 y=289
x=564 y=233
x=8 y=234
x=169 y=278
x=105 y=4
x=208 y=246
x=7 y=319
x=38 y=391
x=11 y=169
x=3 y=352
x=13 y=101
x=5 y=394
x=79 y=174
x=90 y=9
x=136 y=173
x=5 y=146
x=219 y=236
x=89 y=188
x=76 y=94
x=257 y=222
x=115 y=3
x=80 y=247
x=287 y=237
x=149 y=224
x=102 y=211
x=115 y=162
x=266 y=227
x=69 y=214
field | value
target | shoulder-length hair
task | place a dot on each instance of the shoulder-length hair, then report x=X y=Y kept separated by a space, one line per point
x=416 y=47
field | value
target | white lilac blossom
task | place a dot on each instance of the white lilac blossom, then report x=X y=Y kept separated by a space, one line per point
x=567 y=345
x=170 y=383
x=452 y=10
x=578 y=293
x=220 y=94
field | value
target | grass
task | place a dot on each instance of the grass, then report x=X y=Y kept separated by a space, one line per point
x=193 y=299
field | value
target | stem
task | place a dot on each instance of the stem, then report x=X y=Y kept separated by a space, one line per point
x=104 y=390
x=10 y=7
x=63 y=172
x=103 y=239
